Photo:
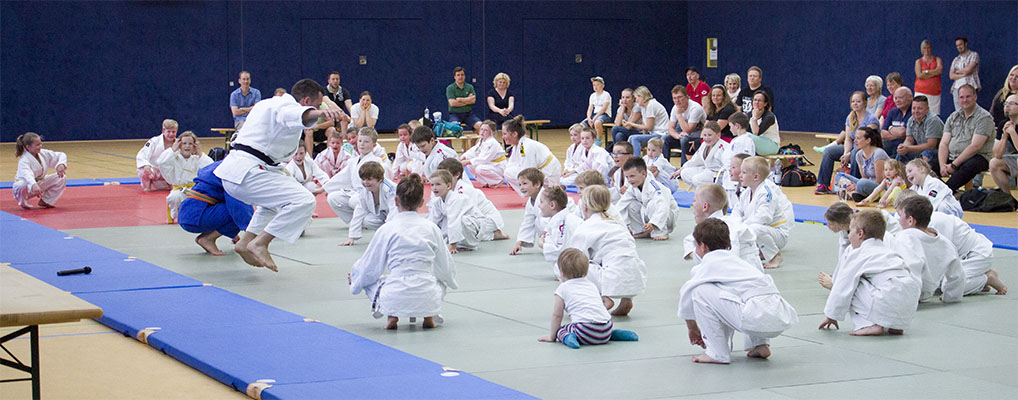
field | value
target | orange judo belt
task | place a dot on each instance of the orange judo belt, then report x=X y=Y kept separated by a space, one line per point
x=191 y=194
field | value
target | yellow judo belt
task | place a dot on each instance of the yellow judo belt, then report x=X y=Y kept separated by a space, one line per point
x=500 y=159
x=546 y=162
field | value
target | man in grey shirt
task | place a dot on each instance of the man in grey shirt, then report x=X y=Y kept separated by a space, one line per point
x=922 y=134
x=966 y=147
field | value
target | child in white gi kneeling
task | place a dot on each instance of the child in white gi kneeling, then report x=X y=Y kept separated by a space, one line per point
x=590 y=322
x=725 y=294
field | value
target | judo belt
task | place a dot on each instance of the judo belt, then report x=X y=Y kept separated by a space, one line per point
x=184 y=186
x=500 y=159
x=546 y=162
x=779 y=223
x=255 y=152
x=191 y=194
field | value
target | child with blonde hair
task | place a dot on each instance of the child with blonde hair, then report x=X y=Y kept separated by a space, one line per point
x=893 y=183
x=375 y=201
x=658 y=165
x=343 y=192
x=765 y=209
x=573 y=155
x=560 y=227
x=334 y=158
x=179 y=166
x=456 y=214
x=589 y=322
x=591 y=157
x=409 y=158
x=31 y=179
x=923 y=182
x=649 y=206
x=486 y=160
x=146 y=160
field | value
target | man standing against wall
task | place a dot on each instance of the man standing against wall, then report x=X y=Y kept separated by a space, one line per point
x=696 y=88
x=243 y=99
x=461 y=98
x=754 y=82
x=964 y=69
x=966 y=148
x=892 y=133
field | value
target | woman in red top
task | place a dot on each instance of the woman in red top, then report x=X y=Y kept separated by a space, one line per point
x=927 y=76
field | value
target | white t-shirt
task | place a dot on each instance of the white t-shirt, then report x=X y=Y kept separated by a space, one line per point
x=600 y=101
x=694 y=114
x=656 y=110
x=582 y=301
x=356 y=110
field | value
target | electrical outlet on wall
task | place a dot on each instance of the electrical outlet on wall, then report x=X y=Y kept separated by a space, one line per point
x=363 y=60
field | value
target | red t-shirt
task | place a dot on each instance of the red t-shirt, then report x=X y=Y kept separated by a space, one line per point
x=701 y=91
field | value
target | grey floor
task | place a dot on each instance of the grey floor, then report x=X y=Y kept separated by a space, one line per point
x=963 y=350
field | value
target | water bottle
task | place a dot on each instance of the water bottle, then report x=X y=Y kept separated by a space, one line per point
x=437 y=117
x=427 y=113
x=776 y=172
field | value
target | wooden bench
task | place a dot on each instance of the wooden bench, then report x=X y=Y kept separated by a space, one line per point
x=226 y=135
x=830 y=137
x=534 y=126
x=607 y=128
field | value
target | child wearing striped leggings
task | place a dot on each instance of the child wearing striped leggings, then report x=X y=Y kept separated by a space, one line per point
x=580 y=298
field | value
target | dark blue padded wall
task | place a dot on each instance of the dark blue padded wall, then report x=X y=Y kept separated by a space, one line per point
x=814 y=54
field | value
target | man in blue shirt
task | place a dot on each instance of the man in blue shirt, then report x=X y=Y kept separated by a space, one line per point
x=242 y=99
x=893 y=131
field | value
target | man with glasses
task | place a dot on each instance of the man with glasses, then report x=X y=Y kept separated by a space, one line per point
x=1004 y=165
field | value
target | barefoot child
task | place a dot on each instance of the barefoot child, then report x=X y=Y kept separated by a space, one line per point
x=561 y=225
x=456 y=214
x=616 y=268
x=923 y=182
x=486 y=160
x=648 y=199
x=375 y=201
x=930 y=256
x=708 y=159
x=709 y=202
x=179 y=166
x=409 y=158
x=765 y=209
x=589 y=322
x=342 y=196
x=893 y=183
x=574 y=155
x=334 y=158
x=420 y=267
x=527 y=153
x=871 y=282
x=530 y=183
x=211 y=212
x=31 y=179
x=308 y=174
x=658 y=165
x=491 y=218
x=148 y=171
x=725 y=294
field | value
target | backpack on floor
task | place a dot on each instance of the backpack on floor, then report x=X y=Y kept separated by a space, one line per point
x=792 y=176
x=794 y=150
x=983 y=200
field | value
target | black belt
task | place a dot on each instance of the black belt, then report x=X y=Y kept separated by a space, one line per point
x=254 y=152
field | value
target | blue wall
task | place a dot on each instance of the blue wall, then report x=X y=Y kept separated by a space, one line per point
x=814 y=55
x=114 y=70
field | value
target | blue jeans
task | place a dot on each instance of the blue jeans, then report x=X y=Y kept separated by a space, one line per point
x=863 y=186
x=641 y=140
x=466 y=118
x=891 y=146
x=833 y=155
x=604 y=118
x=621 y=134
x=929 y=155
x=684 y=144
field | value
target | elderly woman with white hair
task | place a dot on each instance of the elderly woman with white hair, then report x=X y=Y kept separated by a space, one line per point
x=875 y=98
x=500 y=100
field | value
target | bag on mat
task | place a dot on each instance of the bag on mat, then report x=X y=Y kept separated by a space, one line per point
x=793 y=176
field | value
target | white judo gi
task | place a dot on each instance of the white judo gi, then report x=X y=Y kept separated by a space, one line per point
x=933 y=262
x=33 y=170
x=533 y=222
x=379 y=151
x=419 y=264
x=655 y=205
x=743 y=241
x=596 y=158
x=615 y=267
x=733 y=189
x=368 y=214
x=458 y=218
x=308 y=174
x=704 y=164
x=974 y=250
x=940 y=195
x=343 y=190
x=148 y=156
x=274 y=127
x=180 y=173
x=332 y=161
x=615 y=183
x=742 y=144
x=438 y=153
x=409 y=159
x=724 y=294
x=530 y=153
x=491 y=218
x=665 y=169
x=769 y=214
x=558 y=233
x=873 y=283
x=487 y=161
x=573 y=155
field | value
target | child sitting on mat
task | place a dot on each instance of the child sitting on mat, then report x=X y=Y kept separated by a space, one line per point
x=148 y=171
x=31 y=179
x=486 y=160
x=179 y=166
x=590 y=322
x=413 y=251
x=491 y=218
x=562 y=223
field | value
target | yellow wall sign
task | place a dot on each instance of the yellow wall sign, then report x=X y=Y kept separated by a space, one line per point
x=712 y=52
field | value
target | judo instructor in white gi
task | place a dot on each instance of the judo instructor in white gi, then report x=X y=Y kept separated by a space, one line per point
x=253 y=172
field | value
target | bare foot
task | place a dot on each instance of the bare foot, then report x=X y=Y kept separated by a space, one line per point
x=761 y=351
x=236 y=239
x=499 y=235
x=44 y=204
x=261 y=253
x=391 y=325
x=662 y=237
x=872 y=330
x=243 y=252
x=429 y=322
x=825 y=280
x=608 y=302
x=774 y=262
x=496 y=186
x=896 y=332
x=993 y=281
x=641 y=235
x=625 y=305
x=29 y=207
x=207 y=241
x=704 y=359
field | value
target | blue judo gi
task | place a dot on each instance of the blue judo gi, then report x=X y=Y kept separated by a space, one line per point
x=208 y=207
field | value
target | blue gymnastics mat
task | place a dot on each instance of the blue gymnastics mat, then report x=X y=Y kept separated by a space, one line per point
x=683 y=198
x=107 y=275
x=314 y=360
x=87 y=182
x=21 y=242
x=172 y=309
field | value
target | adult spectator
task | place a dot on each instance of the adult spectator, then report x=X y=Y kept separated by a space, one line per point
x=338 y=97
x=364 y=114
x=501 y=101
x=243 y=99
x=598 y=106
x=892 y=132
x=719 y=108
x=870 y=158
x=764 y=125
x=461 y=98
x=279 y=92
x=927 y=76
x=922 y=134
x=733 y=85
x=964 y=70
x=754 y=82
x=696 y=88
x=965 y=149
x=684 y=126
x=875 y=99
x=997 y=107
x=894 y=81
x=1004 y=165
x=338 y=94
x=857 y=118
x=627 y=114
x=654 y=120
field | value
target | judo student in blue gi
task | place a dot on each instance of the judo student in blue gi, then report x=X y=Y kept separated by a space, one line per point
x=209 y=211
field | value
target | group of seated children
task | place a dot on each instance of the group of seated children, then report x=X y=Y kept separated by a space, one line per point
x=171 y=162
